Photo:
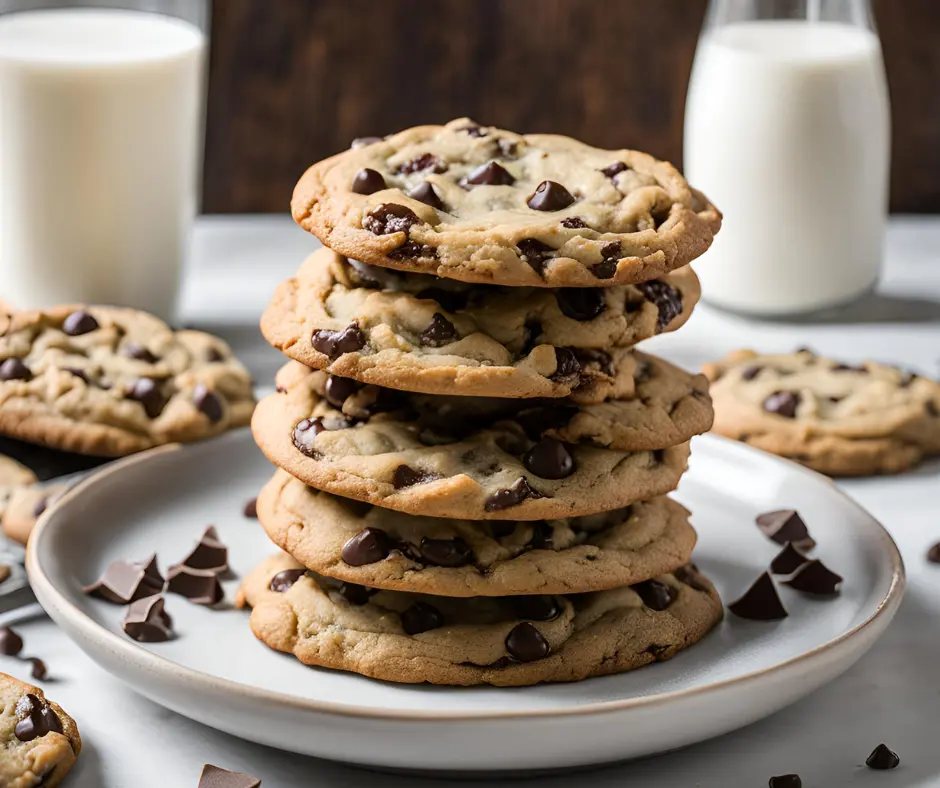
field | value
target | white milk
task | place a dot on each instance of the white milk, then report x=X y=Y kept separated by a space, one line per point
x=787 y=131
x=100 y=119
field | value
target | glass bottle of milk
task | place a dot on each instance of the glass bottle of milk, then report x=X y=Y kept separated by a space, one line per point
x=787 y=129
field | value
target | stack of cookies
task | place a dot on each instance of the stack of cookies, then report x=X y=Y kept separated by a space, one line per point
x=473 y=459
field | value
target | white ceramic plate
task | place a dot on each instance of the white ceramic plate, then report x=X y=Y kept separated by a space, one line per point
x=217 y=673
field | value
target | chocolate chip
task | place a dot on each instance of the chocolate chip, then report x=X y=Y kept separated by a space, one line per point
x=882 y=758
x=15 y=369
x=783 y=403
x=421 y=617
x=526 y=644
x=550 y=196
x=500 y=529
x=542 y=536
x=489 y=174
x=566 y=365
x=849 y=368
x=933 y=554
x=139 y=352
x=124 y=582
x=581 y=303
x=334 y=344
x=760 y=602
x=338 y=390
x=35 y=718
x=426 y=161
x=613 y=169
x=361 y=142
x=751 y=372
x=147 y=392
x=785 y=525
x=11 y=643
x=306 y=430
x=408 y=477
x=390 y=218
x=284 y=579
x=549 y=459
x=199 y=586
x=535 y=253
x=788 y=561
x=474 y=130
x=367 y=547
x=209 y=553
x=355 y=594
x=655 y=594
x=250 y=509
x=536 y=421
x=208 y=403
x=368 y=182
x=147 y=621
x=213 y=355
x=573 y=223
x=426 y=193
x=79 y=322
x=511 y=496
x=815 y=578
x=440 y=331
x=38 y=669
x=786 y=781
x=411 y=250
x=667 y=299
x=543 y=607
x=446 y=552
x=690 y=576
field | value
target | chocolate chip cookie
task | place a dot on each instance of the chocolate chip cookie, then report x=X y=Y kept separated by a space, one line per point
x=481 y=204
x=840 y=419
x=38 y=741
x=359 y=543
x=504 y=641
x=472 y=457
x=439 y=336
x=108 y=381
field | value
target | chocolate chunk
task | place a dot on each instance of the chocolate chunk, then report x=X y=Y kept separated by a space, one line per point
x=542 y=536
x=760 y=602
x=38 y=669
x=581 y=303
x=147 y=392
x=355 y=594
x=785 y=525
x=140 y=353
x=304 y=433
x=882 y=758
x=815 y=578
x=79 y=322
x=783 y=403
x=408 y=477
x=667 y=299
x=489 y=174
x=426 y=193
x=14 y=369
x=440 y=331
x=199 y=586
x=334 y=344
x=535 y=253
x=389 y=218
x=411 y=250
x=751 y=372
x=368 y=182
x=426 y=161
x=446 y=552
x=209 y=554
x=550 y=196
x=513 y=495
x=566 y=365
x=655 y=594
x=35 y=718
x=284 y=579
x=208 y=403
x=542 y=607
x=933 y=554
x=421 y=617
x=573 y=223
x=251 y=509
x=338 y=390
x=213 y=776
x=147 y=621
x=11 y=643
x=549 y=459
x=213 y=355
x=613 y=169
x=536 y=421
x=124 y=582
x=500 y=529
x=690 y=575
x=526 y=644
x=367 y=547
x=604 y=269
x=786 y=781
x=788 y=561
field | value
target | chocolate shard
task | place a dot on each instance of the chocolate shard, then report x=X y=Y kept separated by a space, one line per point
x=786 y=525
x=209 y=554
x=788 y=560
x=124 y=582
x=882 y=758
x=199 y=586
x=214 y=777
x=147 y=621
x=815 y=578
x=760 y=602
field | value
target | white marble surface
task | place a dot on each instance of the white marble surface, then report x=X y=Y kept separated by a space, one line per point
x=892 y=695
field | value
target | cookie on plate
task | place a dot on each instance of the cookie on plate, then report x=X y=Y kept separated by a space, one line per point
x=108 y=381
x=477 y=458
x=39 y=742
x=839 y=419
x=504 y=641
x=440 y=336
x=363 y=544
x=481 y=204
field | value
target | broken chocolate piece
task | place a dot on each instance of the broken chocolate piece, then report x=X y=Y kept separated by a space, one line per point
x=214 y=777
x=788 y=560
x=147 y=621
x=124 y=582
x=199 y=586
x=815 y=578
x=209 y=554
x=786 y=525
x=760 y=602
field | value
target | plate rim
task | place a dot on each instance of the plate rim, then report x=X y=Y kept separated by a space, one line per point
x=133 y=653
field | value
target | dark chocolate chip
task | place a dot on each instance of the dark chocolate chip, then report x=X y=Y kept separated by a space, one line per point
x=536 y=421
x=38 y=669
x=440 y=331
x=690 y=575
x=566 y=365
x=426 y=161
x=550 y=196
x=543 y=607
x=489 y=174
x=815 y=578
x=604 y=269
x=426 y=193
x=250 y=509
x=208 y=403
x=526 y=644
x=542 y=536
x=786 y=781
x=367 y=547
x=11 y=643
x=361 y=142
x=573 y=223
x=79 y=322
x=213 y=355
x=147 y=621
x=785 y=525
x=389 y=218
x=783 y=403
x=667 y=299
x=882 y=758
x=303 y=436
x=933 y=554
x=35 y=718
x=355 y=594
x=199 y=586
x=535 y=253
x=788 y=561
x=849 y=368
x=751 y=372
x=334 y=344
x=421 y=617
x=581 y=303
x=446 y=552
x=338 y=390
x=511 y=496
x=368 y=182
x=613 y=169
x=15 y=369
x=411 y=250
x=284 y=579
x=450 y=300
x=760 y=602
x=139 y=352
x=655 y=594
x=475 y=130
x=500 y=529
x=408 y=477
x=549 y=459
x=209 y=553
x=147 y=392
x=124 y=582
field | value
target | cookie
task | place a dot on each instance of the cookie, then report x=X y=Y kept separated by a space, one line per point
x=481 y=204
x=108 y=381
x=363 y=544
x=439 y=336
x=504 y=641
x=20 y=507
x=471 y=457
x=838 y=419
x=14 y=474
x=39 y=742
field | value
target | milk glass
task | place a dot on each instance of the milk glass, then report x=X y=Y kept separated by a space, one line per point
x=101 y=126
x=787 y=129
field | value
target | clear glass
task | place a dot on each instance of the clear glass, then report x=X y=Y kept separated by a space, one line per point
x=787 y=129
x=102 y=116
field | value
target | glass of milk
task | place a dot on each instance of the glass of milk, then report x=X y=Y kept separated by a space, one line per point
x=787 y=129
x=101 y=127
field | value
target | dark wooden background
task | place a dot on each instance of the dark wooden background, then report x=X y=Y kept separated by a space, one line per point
x=292 y=81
